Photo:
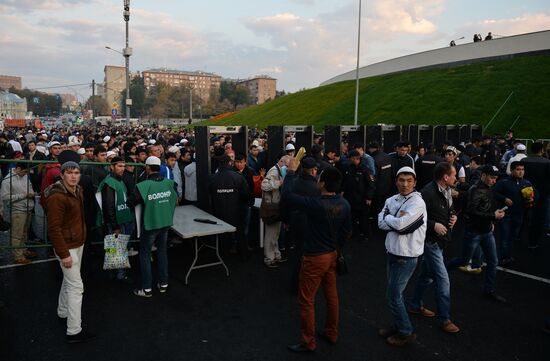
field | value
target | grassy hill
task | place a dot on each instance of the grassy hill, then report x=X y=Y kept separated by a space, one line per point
x=462 y=95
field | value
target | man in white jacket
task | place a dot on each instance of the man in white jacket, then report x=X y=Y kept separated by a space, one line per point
x=271 y=187
x=405 y=218
x=18 y=198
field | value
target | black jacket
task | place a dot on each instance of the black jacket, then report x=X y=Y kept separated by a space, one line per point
x=358 y=186
x=480 y=210
x=109 y=207
x=424 y=168
x=439 y=211
x=537 y=171
x=230 y=195
x=384 y=178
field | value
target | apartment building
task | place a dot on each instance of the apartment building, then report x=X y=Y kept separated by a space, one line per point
x=202 y=83
x=261 y=88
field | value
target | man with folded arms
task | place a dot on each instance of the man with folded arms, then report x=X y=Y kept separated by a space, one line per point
x=404 y=218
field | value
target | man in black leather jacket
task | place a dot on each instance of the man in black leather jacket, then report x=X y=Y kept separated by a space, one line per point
x=481 y=213
x=441 y=220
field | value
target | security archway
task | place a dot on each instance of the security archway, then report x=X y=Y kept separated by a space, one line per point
x=336 y=134
x=276 y=135
x=203 y=134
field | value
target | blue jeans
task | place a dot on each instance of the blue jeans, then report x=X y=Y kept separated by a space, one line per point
x=487 y=243
x=148 y=238
x=399 y=271
x=433 y=271
x=510 y=229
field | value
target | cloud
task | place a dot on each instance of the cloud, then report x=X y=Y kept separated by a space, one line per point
x=34 y=5
x=519 y=25
x=53 y=48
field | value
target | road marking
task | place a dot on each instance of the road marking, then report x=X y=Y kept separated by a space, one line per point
x=33 y=262
x=540 y=279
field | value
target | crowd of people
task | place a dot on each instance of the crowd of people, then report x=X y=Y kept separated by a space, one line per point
x=131 y=180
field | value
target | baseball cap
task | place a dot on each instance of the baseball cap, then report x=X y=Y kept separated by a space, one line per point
x=308 y=163
x=55 y=142
x=406 y=170
x=490 y=170
x=152 y=160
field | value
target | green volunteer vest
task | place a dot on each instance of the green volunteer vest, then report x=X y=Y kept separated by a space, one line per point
x=123 y=213
x=160 y=200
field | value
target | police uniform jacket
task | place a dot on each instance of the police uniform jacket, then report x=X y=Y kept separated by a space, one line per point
x=230 y=195
x=358 y=185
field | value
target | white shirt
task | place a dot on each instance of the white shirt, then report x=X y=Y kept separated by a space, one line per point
x=190 y=173
x=402 y=212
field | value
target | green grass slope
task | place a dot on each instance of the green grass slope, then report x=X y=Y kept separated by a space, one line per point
x=461 y=95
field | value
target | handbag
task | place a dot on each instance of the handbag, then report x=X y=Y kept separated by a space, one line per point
x=342 y=268
x=116 y=251
x=269 y=211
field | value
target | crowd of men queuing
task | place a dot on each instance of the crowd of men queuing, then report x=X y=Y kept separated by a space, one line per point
x=415 y=194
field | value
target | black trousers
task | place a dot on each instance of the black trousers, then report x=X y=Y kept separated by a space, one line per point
x=360 y=222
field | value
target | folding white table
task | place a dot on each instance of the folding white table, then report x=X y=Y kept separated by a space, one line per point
x=257 y=204
x=186 y=227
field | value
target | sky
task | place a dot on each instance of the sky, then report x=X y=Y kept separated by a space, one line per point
x=58 y=43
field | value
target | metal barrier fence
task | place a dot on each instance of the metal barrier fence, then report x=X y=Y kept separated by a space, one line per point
x=26 y=198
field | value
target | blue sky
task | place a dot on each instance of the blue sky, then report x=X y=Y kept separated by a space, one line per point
x=299 y=42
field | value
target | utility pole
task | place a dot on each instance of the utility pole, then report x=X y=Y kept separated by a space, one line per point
x=190 y=105
x=357 y=68
x=93 y=101
x=127 y=53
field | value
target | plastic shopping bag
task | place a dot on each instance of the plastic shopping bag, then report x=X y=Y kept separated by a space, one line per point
x=116 y=251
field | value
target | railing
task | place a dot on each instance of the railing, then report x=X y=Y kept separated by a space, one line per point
x=37 y=235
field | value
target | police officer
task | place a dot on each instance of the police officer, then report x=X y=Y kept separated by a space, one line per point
x=425 y=166
x=358 y=188
x=158 y=196
x=383 y=184
x=401 y=158
x=230 y=196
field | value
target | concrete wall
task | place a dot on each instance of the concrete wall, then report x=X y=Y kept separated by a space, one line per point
x=531 y=43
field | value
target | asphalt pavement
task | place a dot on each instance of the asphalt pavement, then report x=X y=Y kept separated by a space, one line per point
x=252 y=315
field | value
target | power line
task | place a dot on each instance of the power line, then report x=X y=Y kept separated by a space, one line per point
x=61 y=86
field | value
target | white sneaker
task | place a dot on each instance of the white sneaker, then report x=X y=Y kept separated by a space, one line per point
x=154 y=248
x=132 y=252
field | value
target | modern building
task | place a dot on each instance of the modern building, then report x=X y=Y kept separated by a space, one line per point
x=8 y=81
x=261 y=88
x=202 y=83
x=12 y=106
x=114 y=83
x=69 y=101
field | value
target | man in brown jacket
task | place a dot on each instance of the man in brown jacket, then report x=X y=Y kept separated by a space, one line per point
x=67 y=232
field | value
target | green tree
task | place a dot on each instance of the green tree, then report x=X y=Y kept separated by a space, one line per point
x=236 y=94
x=99 y=104
x=137 y=94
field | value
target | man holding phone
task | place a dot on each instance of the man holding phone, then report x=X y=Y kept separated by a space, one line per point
x=481 y=214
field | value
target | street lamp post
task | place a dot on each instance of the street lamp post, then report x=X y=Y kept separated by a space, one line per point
x=127 y=52
x=357 y=68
